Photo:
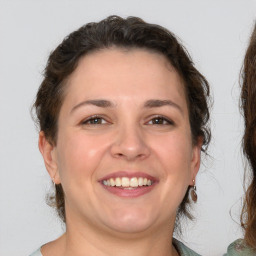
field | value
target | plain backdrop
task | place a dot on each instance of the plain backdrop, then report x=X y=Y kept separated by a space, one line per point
x=215 y=33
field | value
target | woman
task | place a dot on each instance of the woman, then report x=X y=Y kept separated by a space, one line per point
x=123 y=118
x=248 y=100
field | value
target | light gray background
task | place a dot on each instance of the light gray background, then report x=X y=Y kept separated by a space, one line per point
x=215 y=33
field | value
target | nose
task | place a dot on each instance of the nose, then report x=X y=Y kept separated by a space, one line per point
x=130 y=144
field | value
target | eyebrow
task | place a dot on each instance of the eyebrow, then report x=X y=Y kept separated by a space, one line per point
x=97 y=103
x=161 y=103
x=154 y=103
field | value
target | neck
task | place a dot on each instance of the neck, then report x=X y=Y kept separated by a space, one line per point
x=87 y=240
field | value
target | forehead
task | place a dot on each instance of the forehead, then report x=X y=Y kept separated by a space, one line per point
x=116 y=71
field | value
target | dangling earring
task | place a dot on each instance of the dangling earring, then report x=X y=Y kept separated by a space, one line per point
x=53 y=181
x=193 y=193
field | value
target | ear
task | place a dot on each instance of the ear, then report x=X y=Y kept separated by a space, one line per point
x=196 y=159
x=48 y=152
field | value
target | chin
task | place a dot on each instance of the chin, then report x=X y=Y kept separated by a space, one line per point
x=131 y=221
x=130 y=227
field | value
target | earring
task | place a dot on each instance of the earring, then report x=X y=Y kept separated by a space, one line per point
x=53 y=181
x=193 y=193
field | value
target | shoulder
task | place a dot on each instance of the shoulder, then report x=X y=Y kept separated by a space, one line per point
x=239 y=248
x=183 y=250
x=36 y=253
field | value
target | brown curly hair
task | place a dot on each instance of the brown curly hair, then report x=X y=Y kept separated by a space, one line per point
x=248 y=105
x=131 y=32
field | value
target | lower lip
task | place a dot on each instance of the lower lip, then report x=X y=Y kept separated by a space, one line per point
x=135 y=192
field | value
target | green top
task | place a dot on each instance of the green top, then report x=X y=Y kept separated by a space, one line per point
x=239 y=248
x=180 y=247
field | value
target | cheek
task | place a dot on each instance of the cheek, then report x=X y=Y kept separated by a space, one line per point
x=79 y=155
x=174 y=158
x=175 y=154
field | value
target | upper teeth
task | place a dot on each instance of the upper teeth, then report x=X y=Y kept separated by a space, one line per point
x=127 y=182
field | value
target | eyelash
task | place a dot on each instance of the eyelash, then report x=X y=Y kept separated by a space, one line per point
x=165 y=120
x=91 y=118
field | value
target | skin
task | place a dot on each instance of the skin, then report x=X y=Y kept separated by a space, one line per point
x=128 y=136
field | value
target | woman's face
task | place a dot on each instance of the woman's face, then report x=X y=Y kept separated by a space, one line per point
x=124 y=152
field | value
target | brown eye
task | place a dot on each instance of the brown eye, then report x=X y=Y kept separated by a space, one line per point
x=160 y=121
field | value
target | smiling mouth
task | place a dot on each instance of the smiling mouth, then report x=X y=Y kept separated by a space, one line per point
x=127 y=183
